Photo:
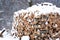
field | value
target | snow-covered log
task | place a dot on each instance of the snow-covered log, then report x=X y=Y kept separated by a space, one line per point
x=41 y=21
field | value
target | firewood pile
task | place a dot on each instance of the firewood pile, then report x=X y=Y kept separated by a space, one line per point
x=40 y=27
x=37 y=27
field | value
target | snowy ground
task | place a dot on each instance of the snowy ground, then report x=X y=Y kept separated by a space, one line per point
x=8 y=36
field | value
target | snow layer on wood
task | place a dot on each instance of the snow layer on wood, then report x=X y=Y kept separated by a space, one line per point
x=43 y=8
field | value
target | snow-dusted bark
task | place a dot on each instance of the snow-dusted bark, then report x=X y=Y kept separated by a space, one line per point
x=33 y=18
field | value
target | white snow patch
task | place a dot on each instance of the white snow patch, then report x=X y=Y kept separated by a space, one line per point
x=7 y=36
x=25 y=38
x=43 y=8
x=57 y=39
x=46 y=23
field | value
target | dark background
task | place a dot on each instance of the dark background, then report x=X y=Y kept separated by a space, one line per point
x=10 y=6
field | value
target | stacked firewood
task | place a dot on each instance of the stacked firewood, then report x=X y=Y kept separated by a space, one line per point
x=40 y=27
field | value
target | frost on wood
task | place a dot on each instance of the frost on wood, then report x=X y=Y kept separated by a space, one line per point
x=40 y=21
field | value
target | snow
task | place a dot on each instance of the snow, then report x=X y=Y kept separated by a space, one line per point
x=39 y=9
x=16 y=14
x=46 y=23
x=7 y=36
x=25 y=38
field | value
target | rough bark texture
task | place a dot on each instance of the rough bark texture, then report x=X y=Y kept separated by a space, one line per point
x=27 y=24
